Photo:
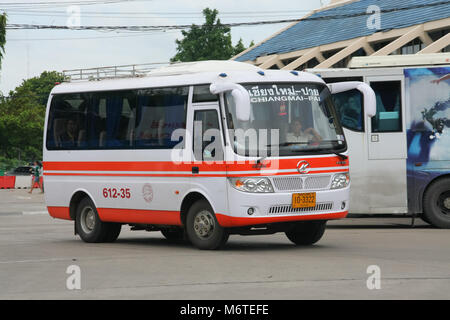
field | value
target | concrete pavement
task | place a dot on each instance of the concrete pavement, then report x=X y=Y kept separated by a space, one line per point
x=36 y=251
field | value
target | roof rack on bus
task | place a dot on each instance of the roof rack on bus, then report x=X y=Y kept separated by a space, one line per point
x=156 y=69
x=111 y=72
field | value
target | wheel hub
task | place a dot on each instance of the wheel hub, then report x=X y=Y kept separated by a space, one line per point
x=88 y=220
x=447 y=203
x=204 y=224
x=444 y=202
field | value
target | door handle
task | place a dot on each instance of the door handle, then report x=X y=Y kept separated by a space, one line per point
x=195 y=170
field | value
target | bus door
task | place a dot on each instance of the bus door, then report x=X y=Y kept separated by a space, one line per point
x=387 y=150
x=208 y=167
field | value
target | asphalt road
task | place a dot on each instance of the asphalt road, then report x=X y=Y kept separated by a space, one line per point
x=36 y=251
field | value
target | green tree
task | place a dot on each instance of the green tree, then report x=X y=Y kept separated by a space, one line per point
x=211 y=41
x=2 y=36
x=22 y=116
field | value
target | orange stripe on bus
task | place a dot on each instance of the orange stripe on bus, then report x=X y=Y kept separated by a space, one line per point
x=171 y=166
x=234 y=174
x=59 y=212
x=140 y=216
x=228 y=221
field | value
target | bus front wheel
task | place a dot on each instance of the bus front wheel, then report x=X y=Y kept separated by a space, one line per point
x=436 y=204
x=89 y=226
x=307 y=232
x=203 y=229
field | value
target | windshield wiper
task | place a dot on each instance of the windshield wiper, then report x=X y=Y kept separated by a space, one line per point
x=340 y=155
x=285 y=144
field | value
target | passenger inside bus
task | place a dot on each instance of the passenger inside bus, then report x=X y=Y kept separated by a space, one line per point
x=69 y=138
x=298 y=135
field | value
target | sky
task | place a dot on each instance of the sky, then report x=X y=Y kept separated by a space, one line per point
x=30 y=52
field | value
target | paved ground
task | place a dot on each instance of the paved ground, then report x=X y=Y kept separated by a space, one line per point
x=36 y=250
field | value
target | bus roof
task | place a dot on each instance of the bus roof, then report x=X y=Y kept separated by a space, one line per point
x=191 y=73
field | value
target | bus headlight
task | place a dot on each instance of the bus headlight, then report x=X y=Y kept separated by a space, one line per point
x=340 y=180
x=256 y=185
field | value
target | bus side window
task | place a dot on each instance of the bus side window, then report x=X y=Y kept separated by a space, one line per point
x=160 y=112
x=67 y=125
x=349 y=106
x=113 y=119
x=388 y=117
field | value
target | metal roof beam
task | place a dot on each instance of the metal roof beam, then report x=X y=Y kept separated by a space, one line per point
x=311 y=54
x=400 y=42
x=437 y=46
x=356 y=45
x=274 y=60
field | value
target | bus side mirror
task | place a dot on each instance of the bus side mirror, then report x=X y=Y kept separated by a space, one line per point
x=240 y=95
x=370 y=102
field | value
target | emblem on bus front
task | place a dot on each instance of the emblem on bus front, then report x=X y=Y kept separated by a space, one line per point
x=303 y=167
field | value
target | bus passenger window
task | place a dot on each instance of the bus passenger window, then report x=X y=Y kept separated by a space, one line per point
x=388 y=117
x=160 y=112
x=67 y=126
x=113 y=120
x=349 y=106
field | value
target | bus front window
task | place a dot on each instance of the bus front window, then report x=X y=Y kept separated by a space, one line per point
x=286 y=119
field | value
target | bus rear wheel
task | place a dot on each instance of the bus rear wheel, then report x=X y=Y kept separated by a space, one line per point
x=203 y=229
x=89 y=226
x=436 y=204
x=307 y=232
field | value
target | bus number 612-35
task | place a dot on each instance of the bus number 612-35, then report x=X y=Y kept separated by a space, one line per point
x=123 y=193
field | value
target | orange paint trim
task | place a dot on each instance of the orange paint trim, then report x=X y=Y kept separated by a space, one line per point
x=140 y=216
x=281 y=164
x=227 y=221
x=256 y=173
x=59 y=212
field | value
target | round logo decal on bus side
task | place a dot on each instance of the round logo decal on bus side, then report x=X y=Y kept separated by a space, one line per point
x=147 y=192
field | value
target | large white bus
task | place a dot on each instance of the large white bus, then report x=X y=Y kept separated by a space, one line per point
x=400 y=159
x=198 y=150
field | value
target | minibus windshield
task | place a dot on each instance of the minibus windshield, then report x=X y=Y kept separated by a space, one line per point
x=286 y=119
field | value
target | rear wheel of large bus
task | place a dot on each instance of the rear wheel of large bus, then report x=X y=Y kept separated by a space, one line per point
x=436 y=204
x=307 y=232
x=89 y=226
x=203 y=229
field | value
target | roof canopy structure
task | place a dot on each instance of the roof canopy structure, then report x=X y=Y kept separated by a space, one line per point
x=331 y=36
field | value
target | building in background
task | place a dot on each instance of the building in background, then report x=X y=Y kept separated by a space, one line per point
x=330 y=36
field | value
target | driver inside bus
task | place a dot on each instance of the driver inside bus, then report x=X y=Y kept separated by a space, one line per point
x=298 y=135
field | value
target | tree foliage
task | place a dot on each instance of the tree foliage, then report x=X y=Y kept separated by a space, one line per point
x=2 y=36
x=211 y=41
x=22 y=116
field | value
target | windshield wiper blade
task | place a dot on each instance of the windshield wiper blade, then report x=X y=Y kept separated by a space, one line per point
x=285 y=144
x=340 y=155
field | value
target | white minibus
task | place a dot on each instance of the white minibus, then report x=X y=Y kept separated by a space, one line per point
x=197 y=150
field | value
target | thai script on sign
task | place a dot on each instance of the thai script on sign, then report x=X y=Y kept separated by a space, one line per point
x=283 y=94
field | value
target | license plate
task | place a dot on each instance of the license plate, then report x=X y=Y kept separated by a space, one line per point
x=304 y=200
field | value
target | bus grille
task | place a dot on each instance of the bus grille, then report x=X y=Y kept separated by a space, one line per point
x=288 y=183
x=300 y=183
x=286 y=209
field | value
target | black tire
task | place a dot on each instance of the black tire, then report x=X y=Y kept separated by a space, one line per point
x=203 y=229
x=425 y=219
x=89 y=226
x=436 y=204
x=173 y=234
x=114 y=231
x=306 y=233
